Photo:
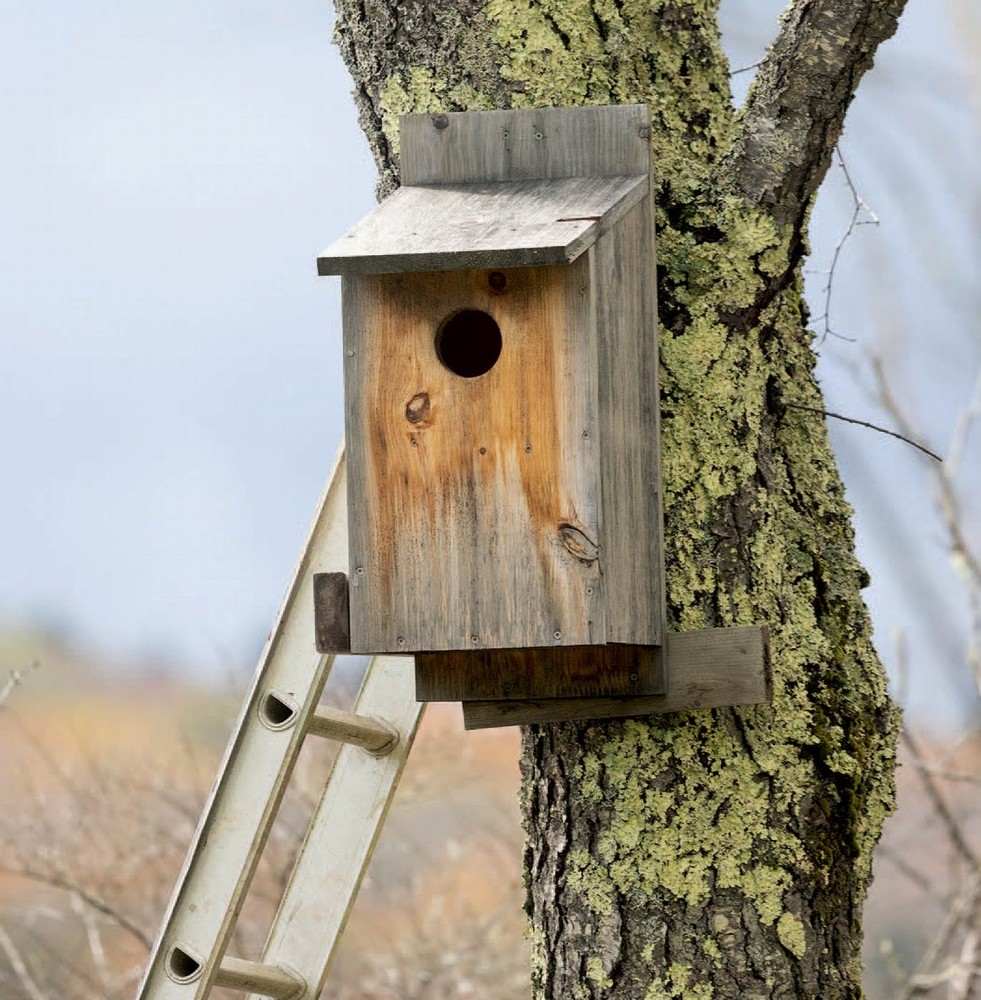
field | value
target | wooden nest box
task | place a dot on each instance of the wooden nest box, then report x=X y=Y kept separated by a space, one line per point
x=501 y=412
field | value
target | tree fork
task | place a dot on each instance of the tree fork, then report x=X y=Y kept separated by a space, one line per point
x=722 y=853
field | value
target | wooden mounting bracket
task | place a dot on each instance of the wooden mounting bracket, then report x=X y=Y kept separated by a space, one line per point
x=708 y=668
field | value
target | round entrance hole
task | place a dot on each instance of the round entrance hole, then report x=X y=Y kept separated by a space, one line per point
x=469 y=343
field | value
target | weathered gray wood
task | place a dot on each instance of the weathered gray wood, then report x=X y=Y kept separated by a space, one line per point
x=710 y=668
x=629 y=408
x=522 y=144
x=516 y=674
x=520 y=508
x=474 y=225
x=331 y=613
x=478 y=499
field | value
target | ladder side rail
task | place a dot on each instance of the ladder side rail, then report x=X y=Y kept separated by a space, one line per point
x=343 y=832
x=252 y=777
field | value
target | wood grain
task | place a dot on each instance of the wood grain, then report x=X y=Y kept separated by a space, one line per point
x=524 y=144
x=521 y=508
x=331 y=613
x=709 y=668
x=475 y=501
x=629 y=408
x=475 y=225
x=517 y=674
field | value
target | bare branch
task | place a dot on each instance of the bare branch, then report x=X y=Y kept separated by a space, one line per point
x=966 y=970
x=905 y=868
x=58 y=880
x=13 y=680
x=962 y=909
x=966 y=560
x=797 y=104
x=937 y=772
x=954 y=831
x=20 y=968
x=745 y=69
x=864 y=423
x=859 y=208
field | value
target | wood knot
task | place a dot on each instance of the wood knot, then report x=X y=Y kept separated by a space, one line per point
x=578 y=544
x=417 y=409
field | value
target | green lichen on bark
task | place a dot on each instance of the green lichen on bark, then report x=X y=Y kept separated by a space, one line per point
x=750 y=807
x=791 y=933
x=677 y=984
x=711 y=853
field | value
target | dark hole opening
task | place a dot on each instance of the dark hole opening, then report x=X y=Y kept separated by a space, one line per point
x=182 y=965
x=276 y=711
x=469 y=343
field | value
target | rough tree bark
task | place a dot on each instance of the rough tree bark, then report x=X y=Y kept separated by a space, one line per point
x=725 y=853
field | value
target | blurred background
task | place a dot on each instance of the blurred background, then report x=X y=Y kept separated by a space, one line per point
x=170 y=407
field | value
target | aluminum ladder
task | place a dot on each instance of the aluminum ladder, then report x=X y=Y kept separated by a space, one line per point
x=281 y=710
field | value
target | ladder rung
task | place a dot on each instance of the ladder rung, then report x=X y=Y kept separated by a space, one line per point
x=373 y=735
x=251 y=781
x=343 y=831
x=251 y=977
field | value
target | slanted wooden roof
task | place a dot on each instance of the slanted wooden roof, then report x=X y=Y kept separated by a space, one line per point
x=513 y=223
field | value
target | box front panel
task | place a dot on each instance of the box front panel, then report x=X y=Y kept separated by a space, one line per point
x=473 y=450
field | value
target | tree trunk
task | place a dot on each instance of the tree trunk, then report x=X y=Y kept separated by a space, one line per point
x=717 y=853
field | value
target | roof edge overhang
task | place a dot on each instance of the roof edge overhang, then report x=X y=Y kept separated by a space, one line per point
x=484 y=224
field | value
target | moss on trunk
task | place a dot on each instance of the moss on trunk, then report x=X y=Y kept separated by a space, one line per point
x=723 y=853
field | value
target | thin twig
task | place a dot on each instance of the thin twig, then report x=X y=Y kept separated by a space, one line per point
x=904 y=868
x=966 y=560
x=922 y=981
x=966 y=969
x=950 y=821
x=865 y=423
x=31 y=988
x=746 y=69
x=97 y=951
x=13 y=680
x=59 y=881
x=937 y=772
x=859 y=208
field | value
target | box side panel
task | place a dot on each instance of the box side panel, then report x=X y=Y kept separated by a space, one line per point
x=632 y=557
x=474 y=501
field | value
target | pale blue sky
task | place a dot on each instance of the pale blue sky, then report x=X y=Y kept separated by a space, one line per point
x=169 y=361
